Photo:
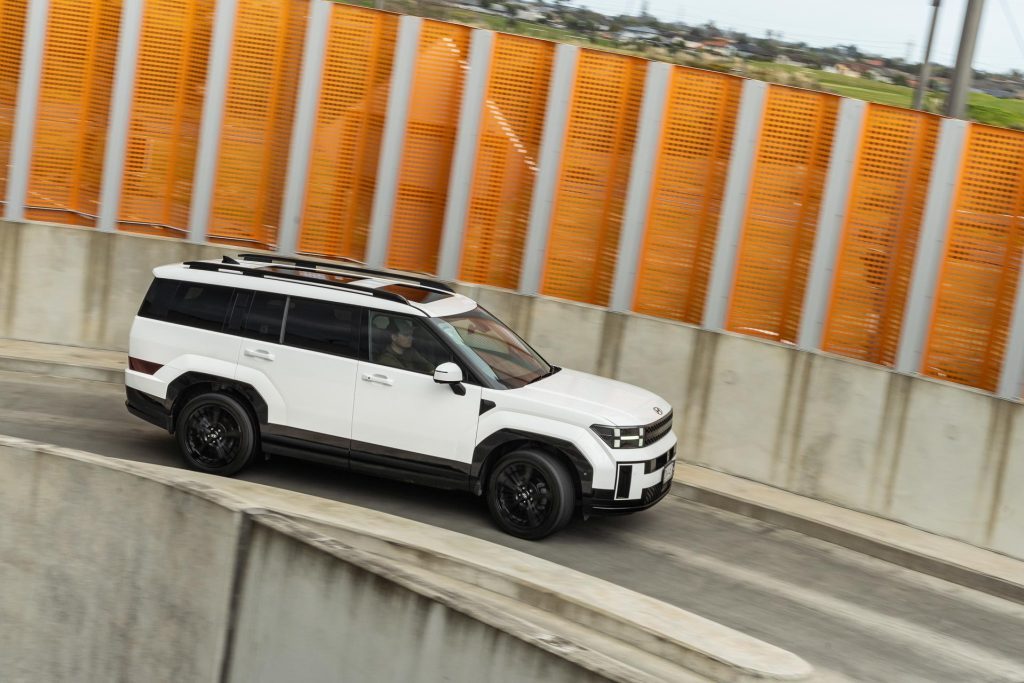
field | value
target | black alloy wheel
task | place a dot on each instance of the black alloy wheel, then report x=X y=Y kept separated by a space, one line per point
x=216 y=434
x=530 y=494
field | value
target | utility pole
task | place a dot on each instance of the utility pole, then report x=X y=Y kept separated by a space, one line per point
x=956 y=105
x=926 y=67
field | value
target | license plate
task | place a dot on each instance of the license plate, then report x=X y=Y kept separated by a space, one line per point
x=666 y=474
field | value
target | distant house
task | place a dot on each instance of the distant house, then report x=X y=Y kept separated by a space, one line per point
x=639 y=34
x=785 y=60
x=720 y=46
x=842 y=70
x=876 y=63
x=527 y=14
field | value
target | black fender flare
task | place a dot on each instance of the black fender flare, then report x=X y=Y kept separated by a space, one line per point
x=506 y=440
x=189 y=381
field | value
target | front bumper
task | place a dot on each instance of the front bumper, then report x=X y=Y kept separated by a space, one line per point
x=603 y=502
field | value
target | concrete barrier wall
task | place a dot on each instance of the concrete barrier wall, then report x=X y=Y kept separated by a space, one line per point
x=122 y=571
x=933 y=455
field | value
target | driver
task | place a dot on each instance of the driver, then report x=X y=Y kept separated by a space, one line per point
x=400 y=352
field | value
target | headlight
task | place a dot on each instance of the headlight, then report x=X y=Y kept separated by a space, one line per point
x=620 y=437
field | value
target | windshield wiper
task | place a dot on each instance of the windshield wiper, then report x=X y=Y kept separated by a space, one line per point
x=553 y=370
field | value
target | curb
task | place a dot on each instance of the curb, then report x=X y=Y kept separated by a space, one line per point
x=93 y=373
x=925 y=564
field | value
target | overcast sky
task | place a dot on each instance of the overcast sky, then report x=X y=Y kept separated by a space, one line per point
x=878 y=26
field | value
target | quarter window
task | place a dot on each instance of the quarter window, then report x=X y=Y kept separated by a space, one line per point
x=187 y=303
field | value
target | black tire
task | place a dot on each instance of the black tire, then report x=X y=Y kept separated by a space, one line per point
x=216 y=434
x=530 y=494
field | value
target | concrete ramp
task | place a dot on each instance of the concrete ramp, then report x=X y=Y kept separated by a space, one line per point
x=114 y=570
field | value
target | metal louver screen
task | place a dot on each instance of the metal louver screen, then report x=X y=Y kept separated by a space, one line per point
x=686 y=196
x=434 y=105
x=782 y=213
x=166 y=109
x=506 y=163
x=883 y=220
x=975 y=297
x=346 y=142
x=12 y=35
x=263 y=79
x=71 y=121
x=591 y=192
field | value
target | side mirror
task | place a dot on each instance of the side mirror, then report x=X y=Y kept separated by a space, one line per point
x=450 y=374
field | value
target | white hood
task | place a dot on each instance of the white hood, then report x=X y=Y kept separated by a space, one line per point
x=615 y=403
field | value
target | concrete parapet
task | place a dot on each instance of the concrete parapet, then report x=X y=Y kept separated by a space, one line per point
x=128 y=570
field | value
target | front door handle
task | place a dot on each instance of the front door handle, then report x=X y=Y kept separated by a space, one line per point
x=379 y=379
x=259 y=353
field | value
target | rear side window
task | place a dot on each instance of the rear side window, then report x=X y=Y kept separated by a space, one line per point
x=187 y=303
x=323 y=326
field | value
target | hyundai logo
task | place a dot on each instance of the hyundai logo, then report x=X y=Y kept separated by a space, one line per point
x=657 y=410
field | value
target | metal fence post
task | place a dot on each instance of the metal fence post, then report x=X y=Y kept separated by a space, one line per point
x=393 y=139
x=213 y=118
x=831 y=219
x=23 y=134
x=120 y=115
x=931 y=244
x=734 y=202
x=549 y=164
x=464 y=157
x=638 y=197
x=313 y=54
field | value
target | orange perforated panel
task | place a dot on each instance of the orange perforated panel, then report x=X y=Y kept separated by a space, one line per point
x=166 y=109
x=686 y=194
x=506 y=161
x=266 y=59
x=782 y=213
x=975 y=296
x=346 y=142
x=429 y=140
x=71 y=121
x=596 y=160
x=12 y=34
x=883 y=220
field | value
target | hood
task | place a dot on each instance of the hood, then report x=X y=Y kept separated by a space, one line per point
x=614 y=403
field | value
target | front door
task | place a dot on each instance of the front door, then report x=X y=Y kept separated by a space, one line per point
x=402 y=419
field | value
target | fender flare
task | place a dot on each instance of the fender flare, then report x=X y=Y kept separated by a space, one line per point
x=506 y=439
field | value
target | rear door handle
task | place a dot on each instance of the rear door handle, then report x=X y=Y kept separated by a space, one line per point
x=259 y=353
x=379 y=379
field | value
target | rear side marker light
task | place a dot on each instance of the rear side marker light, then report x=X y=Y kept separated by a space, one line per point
x=143 y=366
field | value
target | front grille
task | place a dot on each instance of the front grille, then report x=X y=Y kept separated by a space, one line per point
x=658 y=429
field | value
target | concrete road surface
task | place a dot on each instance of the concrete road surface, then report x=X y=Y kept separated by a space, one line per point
x=851 y=616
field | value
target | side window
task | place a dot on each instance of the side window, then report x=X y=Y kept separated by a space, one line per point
x=159 y=298
x=265 y=316
x=404 y=342
x=323 y=326
x=192 y=303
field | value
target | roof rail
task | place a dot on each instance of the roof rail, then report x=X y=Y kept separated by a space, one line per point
x=345 y=268
x=294 y=277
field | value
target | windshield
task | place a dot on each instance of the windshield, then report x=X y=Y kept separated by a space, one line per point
x=495 y=350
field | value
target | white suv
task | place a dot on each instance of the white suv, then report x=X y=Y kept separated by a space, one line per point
x=387 y=374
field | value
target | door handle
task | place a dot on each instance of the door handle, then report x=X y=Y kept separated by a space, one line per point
x=259 y=353
x=379 y=379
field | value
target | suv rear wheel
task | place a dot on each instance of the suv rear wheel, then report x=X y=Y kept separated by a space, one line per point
x=530 y=494
x=216 y=434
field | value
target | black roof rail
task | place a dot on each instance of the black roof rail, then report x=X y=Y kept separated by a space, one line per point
x=294 y=277
x=343 y=267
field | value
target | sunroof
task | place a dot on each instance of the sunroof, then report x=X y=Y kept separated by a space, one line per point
x=311 y=275
x=417 y=294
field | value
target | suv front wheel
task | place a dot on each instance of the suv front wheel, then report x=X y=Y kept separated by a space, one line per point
x=216 y=434
x=530 y=494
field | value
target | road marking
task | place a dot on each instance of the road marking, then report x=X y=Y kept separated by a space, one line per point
x=938 y=646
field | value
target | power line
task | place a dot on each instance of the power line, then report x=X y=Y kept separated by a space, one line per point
x=1013 y=26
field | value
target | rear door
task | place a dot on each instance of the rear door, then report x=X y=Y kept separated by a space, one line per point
x=308 y=350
